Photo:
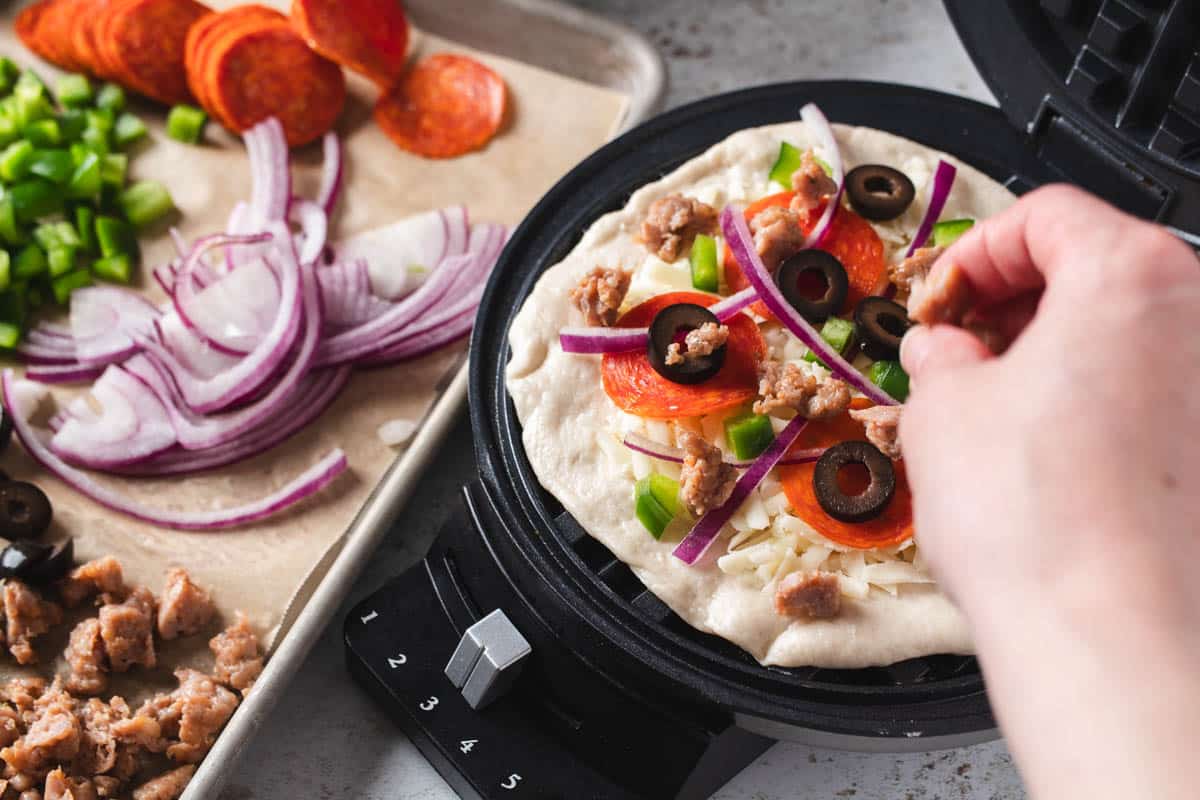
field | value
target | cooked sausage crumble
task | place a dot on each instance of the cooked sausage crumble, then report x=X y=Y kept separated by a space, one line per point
x=913 y=269
x=701 y=342
x=706 y=481
x=777 y=235
x=813 y=595
x=599 y=295
x=811 y=183
x=882 y=426
x=672 y=224
x=787 y=386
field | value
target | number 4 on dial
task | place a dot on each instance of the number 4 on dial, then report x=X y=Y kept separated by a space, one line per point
x=467 y=745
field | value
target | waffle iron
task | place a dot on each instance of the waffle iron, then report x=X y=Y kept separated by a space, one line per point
x=525 y=661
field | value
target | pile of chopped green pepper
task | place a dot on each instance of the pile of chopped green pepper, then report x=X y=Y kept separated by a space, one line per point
x=67 y=211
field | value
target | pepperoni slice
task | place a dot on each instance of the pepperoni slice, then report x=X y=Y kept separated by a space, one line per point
x=851 y=239
x=205 y=35
x=45 y=28
x=148 y=39
x=444 y=107
x=83 y=36
x=26 y=26
x=636 y=387
x=266 y=70
x=367 y=36
x=890 y=528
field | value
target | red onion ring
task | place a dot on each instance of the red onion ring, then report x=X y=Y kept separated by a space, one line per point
x=661 y=452
x=939 y=192
x=815 y=119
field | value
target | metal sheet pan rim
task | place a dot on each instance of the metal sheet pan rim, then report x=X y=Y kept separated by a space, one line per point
x=387 y=501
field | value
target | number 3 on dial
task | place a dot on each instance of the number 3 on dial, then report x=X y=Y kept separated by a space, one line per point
x=429 y=705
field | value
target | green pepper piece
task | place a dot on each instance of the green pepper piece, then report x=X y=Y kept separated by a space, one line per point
x=111 y=97
x=839 y=333
x=30 y=262
x=146 y=202
x=948 y=232
x=113 y=168
x=891 y=377
x=706 y=275
x=9 y=131
x=96 y=140
x=28 y=110
x=86 y=178
x=73 y=90
x=16 y=160
x=115 y=237
x=72 y=123
x=786 y=164
x=128 y=129
x=5 y=270
x=115 y=269
x=44 y=133
x=10 y=230
x=656 y=502
x=53 y=165
x=36 y=198
x=9 y=72
x=186 y=124
x=85 y=228
x=63 y=285
x=102 y=119
x=749 y=435
x=61 y=259
x=28 y=84
x=56 y=234
x=10 y=335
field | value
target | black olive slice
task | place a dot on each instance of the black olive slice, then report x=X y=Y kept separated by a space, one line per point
x=881 y=324
x=879 y=192
x=19 y=557
x=669 y=327
x=814 y=283
x=859 y=507
x=57 y=563
x=25 y=511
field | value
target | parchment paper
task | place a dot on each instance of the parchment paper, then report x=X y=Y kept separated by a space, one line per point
x=554 y=122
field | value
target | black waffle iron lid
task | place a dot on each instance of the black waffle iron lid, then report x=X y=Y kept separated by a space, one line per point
x=1107 y=91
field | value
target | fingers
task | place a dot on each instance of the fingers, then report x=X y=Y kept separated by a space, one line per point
x=1022 y=249
x=926 y=350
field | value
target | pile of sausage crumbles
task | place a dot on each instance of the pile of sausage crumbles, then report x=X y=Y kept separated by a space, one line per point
x=60 y=741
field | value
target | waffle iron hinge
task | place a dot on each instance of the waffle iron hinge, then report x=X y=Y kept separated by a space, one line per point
x=1082 y=157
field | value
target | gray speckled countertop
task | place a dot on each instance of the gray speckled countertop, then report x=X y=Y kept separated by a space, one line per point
x=327 y=740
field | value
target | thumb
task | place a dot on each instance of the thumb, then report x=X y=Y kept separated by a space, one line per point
x=926 y=350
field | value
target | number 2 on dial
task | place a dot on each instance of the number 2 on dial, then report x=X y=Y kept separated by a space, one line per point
x=429 y=705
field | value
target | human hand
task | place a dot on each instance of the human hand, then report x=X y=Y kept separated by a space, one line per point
x=1057 y=489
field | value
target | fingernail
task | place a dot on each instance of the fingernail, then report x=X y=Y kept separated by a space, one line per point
x=914 y=347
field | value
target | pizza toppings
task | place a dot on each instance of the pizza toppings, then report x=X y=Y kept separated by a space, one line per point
x=706 y=480
x=879 y=192
x=882 y=425
x=881 y=324
x=912 y=269
x=815 y=284
x=687 y=344
x=843 y=496
x=367 y=36
x=599 y=295
x=939 y=193
x=945 y=299
x=673 y=222
x=813 y=595
x=813 y=186
x=787 y=387
x=778 y=234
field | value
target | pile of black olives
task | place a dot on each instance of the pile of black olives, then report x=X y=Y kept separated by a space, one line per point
x=25 y=515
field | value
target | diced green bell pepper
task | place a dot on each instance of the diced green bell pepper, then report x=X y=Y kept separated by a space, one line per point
x=749 y=435
x=706 y=274
x=656 y=502
x=787 y=163
x=73 y=91
x=56 y=166
x=10 y=229
x=61 y=259
x=891 y=377
x=128 y=129
x=10 y=335
x=115 y=237
x=9 y=131
x=36 y=198
x=56 y=234
x=16 y=160
x=63 y=285
x=96 y=140
x=44 y=133
x=115 y=269
x=948 y=232
x=146 y=202
x=72 y=123
x=113 y=168
x=28 y=109
x=30 y=262
x=5 y=270
x=186 y=124
x=839 y=334
x=111 y=97
x=9 y=72
x=28 y=84
x=102 y=119
x=86 y=179
x=85 y=227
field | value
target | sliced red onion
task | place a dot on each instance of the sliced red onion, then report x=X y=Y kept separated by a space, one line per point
x=272 y=155
x=815 y=119
x=234 y=312
x=33 y=353
x=332 y=173
x=395 y=252
x=131 y=427
x=62 y=373
x=596 y=341
x=737 y=234
x=55 y=329
x=196 y=355
x=939 y=192
x=662 y=452
x=314 y=226
x=21 y=398
x=458 y=230
x=706 y=530
x=346 y=294
x=105 y=322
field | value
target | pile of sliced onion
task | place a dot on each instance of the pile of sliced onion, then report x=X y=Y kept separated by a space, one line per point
x=939 y=192
x=264 y=325
x=706 y=530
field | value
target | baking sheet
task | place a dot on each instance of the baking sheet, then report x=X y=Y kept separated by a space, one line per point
x=261 y=569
